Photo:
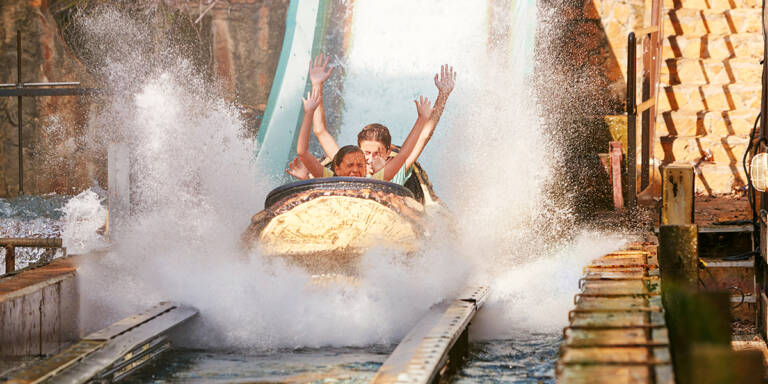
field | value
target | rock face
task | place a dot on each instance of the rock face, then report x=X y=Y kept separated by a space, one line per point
x=710 y=88
x=52 y=152
x=246 y=40
x=581 y=77
x=241 y=41
x=709 y=91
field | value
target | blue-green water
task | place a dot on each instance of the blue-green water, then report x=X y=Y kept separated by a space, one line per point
x=31 y=216
x=526 y=358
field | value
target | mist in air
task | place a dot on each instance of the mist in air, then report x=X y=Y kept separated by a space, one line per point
x=196 y=189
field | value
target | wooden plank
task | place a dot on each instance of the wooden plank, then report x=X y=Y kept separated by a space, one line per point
x=31 y=281
x=647 y=30
x=50 y=367
x=611 y=319
x=50 y=320
x=130 y=322
x=30 y=323
x=755 y=344
x=721 y=364
x=628 y=303
x=627 y=287
x=89 y=358
x=123 y=343
x=763 y=317
x=677 y=194
x=17 y=328
x=607 y=355
x=5 y=328
x=69 y=312
x=590 y=337
x=618 y=195
x=605 y=374
x=646 y=105
x=725 y=228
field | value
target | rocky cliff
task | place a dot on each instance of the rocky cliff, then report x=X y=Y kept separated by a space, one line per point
x=236 y=41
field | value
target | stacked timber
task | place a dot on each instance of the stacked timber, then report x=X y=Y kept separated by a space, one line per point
x=617 y=332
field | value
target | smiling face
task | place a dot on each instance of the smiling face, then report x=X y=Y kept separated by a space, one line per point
x=373 y=150
x=352 y=164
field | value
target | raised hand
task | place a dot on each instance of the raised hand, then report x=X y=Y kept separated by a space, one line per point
x=423 y=107
x=297 y=169
x=318 y=70
x=312 y=101
x=447 y=79
x=378 y=163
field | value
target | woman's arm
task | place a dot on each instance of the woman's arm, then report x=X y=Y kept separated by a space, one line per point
x=302 y=146
x=391 y=168
x=444 y=86
x=318 y=74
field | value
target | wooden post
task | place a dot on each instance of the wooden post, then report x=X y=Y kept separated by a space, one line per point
x=631 y=120
x=717 y=364
x=19 y=117
x=697 y=321
x=679 y=255
x=677 y=194
x=10 y=258
x=615 y=154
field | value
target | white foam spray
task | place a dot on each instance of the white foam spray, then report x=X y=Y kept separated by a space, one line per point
x=490 y=159
x=195 y=190
x=85 y=216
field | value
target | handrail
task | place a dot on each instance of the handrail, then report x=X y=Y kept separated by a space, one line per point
x=651 y=37
x=11 y=243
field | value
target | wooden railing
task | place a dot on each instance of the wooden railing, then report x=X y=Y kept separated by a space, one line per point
x=652 y=40
x=10 y=245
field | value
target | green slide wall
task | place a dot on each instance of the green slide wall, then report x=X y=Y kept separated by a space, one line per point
x=304 y=31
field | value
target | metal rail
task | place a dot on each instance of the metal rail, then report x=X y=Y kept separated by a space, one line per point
x=21 y=89
x=435 y=344
x=11 y=243
x=651 y=37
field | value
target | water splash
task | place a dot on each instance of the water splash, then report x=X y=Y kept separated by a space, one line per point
x=195 y=189
x=84 y=218
x=490 y=159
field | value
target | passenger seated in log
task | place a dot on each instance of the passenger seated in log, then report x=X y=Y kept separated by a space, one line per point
x=375 y=139
x=350 y=161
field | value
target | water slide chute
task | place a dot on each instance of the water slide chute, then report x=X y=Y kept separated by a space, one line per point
x=324 y=225
x=304 y=28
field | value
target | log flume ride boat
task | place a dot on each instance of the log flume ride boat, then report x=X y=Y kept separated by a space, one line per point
x=325 y=224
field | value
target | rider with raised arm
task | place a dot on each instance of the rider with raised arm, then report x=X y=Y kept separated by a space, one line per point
x=374 y=140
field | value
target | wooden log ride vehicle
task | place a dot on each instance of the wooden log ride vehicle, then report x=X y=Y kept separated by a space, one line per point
x=324 y=225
